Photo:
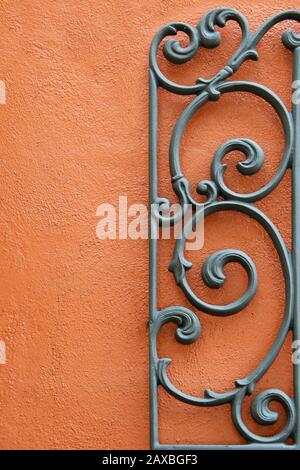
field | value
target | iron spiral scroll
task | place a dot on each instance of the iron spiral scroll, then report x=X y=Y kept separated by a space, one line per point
x=206 y=35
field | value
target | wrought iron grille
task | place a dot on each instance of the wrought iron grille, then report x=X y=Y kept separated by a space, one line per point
x=219 y=197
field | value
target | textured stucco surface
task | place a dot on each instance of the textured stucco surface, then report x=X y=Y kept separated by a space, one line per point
x=74 y=308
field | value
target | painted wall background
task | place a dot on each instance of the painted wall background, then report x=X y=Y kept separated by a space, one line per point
x=74 y=308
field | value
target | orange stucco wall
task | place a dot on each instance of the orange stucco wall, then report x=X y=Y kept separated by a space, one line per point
x=74 y=308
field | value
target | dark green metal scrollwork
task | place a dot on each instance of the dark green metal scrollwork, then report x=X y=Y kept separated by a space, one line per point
x=219 y=197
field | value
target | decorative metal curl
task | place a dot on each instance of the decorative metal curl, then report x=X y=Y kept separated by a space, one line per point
x=205 y=35
x=219 y=197
x=212 y=271
x=262 y=414
x=251 y=149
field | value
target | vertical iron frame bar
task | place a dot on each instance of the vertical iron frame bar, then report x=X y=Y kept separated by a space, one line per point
x=296 y=234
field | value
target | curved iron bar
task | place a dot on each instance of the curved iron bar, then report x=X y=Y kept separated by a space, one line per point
x=254 y=154
x=188 y=331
